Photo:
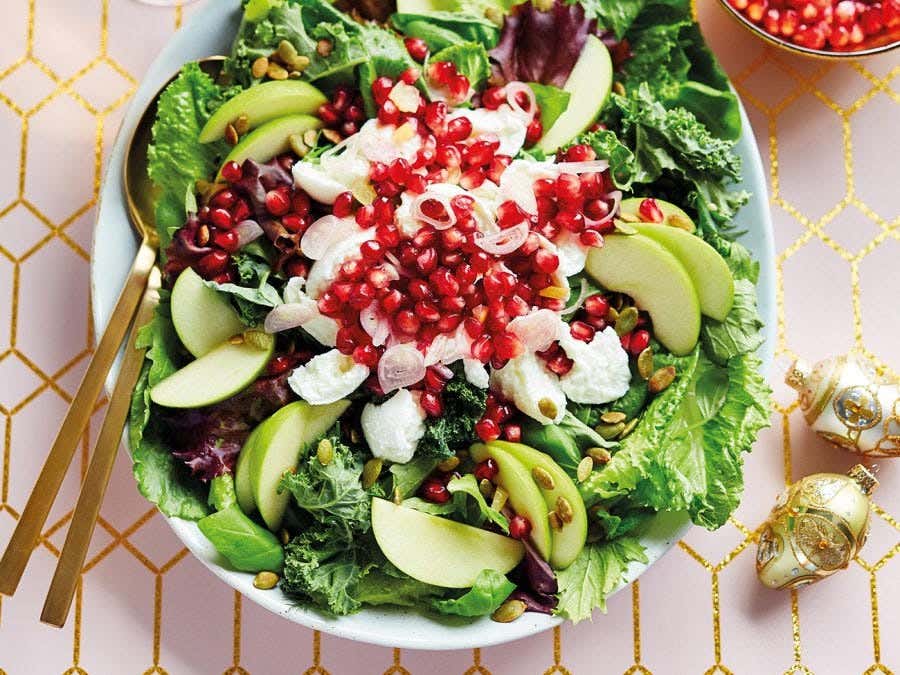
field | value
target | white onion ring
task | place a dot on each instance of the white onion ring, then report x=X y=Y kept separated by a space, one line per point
x=537 y=330
x=444 y=201
x=289 y=315
x=324 y=233
x=400 y=366
x=505 y=241
x=247 y=231
x=375 y=324
x=616 y=196
x=593 y=166
x=514 y=88
x=447 y=348
x=582 y=296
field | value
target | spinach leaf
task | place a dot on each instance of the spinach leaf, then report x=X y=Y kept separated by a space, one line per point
x=466 y=27
x=552 y=101
x=247 y=546
x=466 y=486
x=489 y=591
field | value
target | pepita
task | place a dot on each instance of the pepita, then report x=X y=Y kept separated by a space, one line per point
x=297 y=145
x=486 y=487
x=548 y=408
x=624 y=228
x=300 y=63
x=680 y=222
x=325 y=452
x=499 y=500
x=202 y=235
x=619 y=88
x=583 y=472
x=627 y=320
x=284 y=537
x=371 y=471
x=286 y=52
x=398 y=496
x=324 y=48
x=231 y=135
x=276 y=71
x=332 y=135
x=543 y=478
x=628 y=428
x=311 y=137
x=236 y=339
x=242 y=124
x=599 y=455
x=613 y=417
x=661 y=379
x=555 y=521
x=265 y=581
x=509 y=611
x=295 y=75
x=259 y=68
x=612 y=315
x=628 y=217
x=449 y=464
x=609 y=431
x=564 y=509
x=645 y=363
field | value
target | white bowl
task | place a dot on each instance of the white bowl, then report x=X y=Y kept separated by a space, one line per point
x=210 y=31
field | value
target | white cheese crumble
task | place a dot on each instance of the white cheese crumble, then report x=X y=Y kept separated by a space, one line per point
x=394 y=428
x=600 y=370
x=325 y=269
x=535 y=390
x=502 y=123
x=327 y=378
x=517 y=182
x=322 y=328
x=476 y=373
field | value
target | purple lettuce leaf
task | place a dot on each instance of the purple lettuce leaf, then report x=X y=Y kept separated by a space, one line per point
x=535 y=582
x=183 y=250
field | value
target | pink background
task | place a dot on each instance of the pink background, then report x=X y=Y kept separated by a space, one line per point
x=828 y=134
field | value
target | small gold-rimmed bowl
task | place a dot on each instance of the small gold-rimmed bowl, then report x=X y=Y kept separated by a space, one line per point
x=879 y=44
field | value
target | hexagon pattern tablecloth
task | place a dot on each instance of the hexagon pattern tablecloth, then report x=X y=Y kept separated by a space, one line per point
x=830 y=137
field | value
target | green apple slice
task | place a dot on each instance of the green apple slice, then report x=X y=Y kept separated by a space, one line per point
x=589 y=84
x=632 y=206
x=637 y=265
x=568 y=541
x=524 y=495
x=279 y=443
x=263 y=103
x=439 y=551
x=217 y=375
x=271 y=139
x=203 y=318
x=707 y=269
x=243 y=488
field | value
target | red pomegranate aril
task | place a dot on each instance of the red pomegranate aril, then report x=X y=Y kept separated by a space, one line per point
x=573 y=221
x=649 y=210
x=427 y=261
x=458 y=129
x=452 y=303
x=790 y=20
x=448 y=155
x=640 y=340
x=328 y=114
x=472 y=326
x=294 y=222
x=845 y=13
x=596 y=209
x=232 y=172
x=419 y=289
x=342 y=290
x=329 y=304
x=459 y=87
x=352 y=270
x=568 y=187
x=436 y=116
x=625 y=340
x=444 y=282
x=497 y=166
x=278 y=201
x=391 y=301
x=449 y=322
x=871 y=21
x=348 y=128
x=452 y=239
x=227 y=240
x=381 y=89
x=581 y=331
x=434 y=380
x=431 y=404
x=366 y=355
x=493 y=97
x=399 y=170
x=341 y=99
x=516 y=306
x=388 y=113
x=580 y=153
x=559 y=364
x=407 y=322
x=519 y=527
x=300 y=203
x=223 y=199
x=512 y=433
x=472 y=179
x=221 y=219
x=839 y=37
x=240 y=211
x=407 y=252
x=416 y=184
x=596 y=305
x=480 y=261
x=378 y=172
x=598 y=322
x=387 y=235
x=427 y=311
x=486 y=470
x=384 y=210
x=365 y=215
x=278 y=365
x=499 y=412
x=478 y=153
x=212 y=264
x=856 y=34
x=371 y=250
x=441 y=71
x=416 y=48
x=435 y=492
x=343 y=205
x=508 y=345
x=378 y=278
x=387 y=188
x=534 y=131
x=295 y=267
x=354 y=113
x=545 y=261
x=811 y=37
x=483 y=348
x=410 y=75
x=756 y=9
x=772 y=21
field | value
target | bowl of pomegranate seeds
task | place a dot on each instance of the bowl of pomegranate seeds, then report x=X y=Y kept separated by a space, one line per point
x=457 y=336
x=827 y=28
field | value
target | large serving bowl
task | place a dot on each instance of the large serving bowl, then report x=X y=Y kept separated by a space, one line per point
x=210 y=31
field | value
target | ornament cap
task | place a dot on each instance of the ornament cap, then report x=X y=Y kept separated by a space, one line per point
x=864 y=477
x=798 y=374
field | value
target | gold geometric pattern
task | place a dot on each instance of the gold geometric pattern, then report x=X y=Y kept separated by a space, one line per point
x=39 y=229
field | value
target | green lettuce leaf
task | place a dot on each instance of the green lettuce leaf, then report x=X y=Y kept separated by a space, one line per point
x=597 y=571
x=384 y=584
x=470 y=59
x=464 y=404
x=490 y=590
x=552 y=101
x=406 y=478
x=621 y=160
x=565 y=442
x=740 y=332
x=254 y=296
x=614 y=15
x=466 y=486
x=247 y=546
x=441 y=29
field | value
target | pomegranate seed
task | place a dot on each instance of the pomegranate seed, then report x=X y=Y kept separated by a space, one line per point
x=856 y=34
x=343 y=205
x=472 y=179
x=221 y=219
x=498 y=166
x=278 y=365
x=545 y=261
x=441 y=71
x=378 y=278
x=427 y=261
x=365 y=215
x=212 y=264
x=241 y=211
x=838 y=37
x=227 y=240
x=352 y=270
x=378 y=172
x=871 y=21
x=341 y=99
x=533 y=132
x=493 y=97
x=508 y=345
x=387 y=235
x=452 y=303
x=640 y=339
x=649 y=210
x=596 y=305
x=572 y=221
x=478 y=154
x=277 y=202
x=328 y=114
x=388 y=188
x=366 y=355
x=223 y=199
x=381 y=89
x=890 y=13
x=232 y=172
x=343 y=290
x=512 y=433
x=581 y=331
x=354 y=113
x=625 y=340
x=845 y=12
x=362 y=296
x=756 y=9
x=388 y=113
x=431 y=404
x=419 y=289
x=300 y=203
x=458 y=129
x=560 y=364
x=499 y=412
x=416 y=48
x=486 y=470
x=591 y=238
x=384 y=211
x=790 y=20
x=568 y=187
x=459 y=87
x=516 y=306
x=406 y=322
x=772 y=21
x=391 y=301
x=295 y=223
x=410 y=75
x=811 y=37
x=580 y=153
x=448 y=155
x=483 y=348
x=449 y=322
x=296 y=268
x=416 y=184
x=329 y=303
x=427 y=311
x=434 y=380
x=436 y=492
x=444 y=282
x=348 y=128
x=519 y=527
x=371 y=250
x=399 y=170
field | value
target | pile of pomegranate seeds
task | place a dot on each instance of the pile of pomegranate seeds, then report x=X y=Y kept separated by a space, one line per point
x=832 y=25
x=218 y=220
x=344 y=113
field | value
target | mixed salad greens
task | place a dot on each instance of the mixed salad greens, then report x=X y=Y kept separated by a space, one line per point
x=453 y=303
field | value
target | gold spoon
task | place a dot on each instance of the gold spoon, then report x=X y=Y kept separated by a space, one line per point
x=26 y=536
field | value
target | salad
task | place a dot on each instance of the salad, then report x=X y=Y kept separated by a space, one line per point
x=453 y=303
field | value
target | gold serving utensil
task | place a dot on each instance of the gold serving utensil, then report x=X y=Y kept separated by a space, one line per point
x=26 y=536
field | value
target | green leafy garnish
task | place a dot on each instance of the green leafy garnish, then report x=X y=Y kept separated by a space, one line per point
x=470 y=59
x=464 y=404
x=552 y=101
x=490 y=590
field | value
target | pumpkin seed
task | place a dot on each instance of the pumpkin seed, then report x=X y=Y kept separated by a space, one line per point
x=609 y=431
x=332 y=135
x=371 y=471
x=202 y=235
x=284 y=537
x=499 y=500
x=259 y=68
x=295 y=75
x=236 y=339
x=613 y=417
x=449 y=464
x=231 y=135
x=325 y=452
x=619 y=88
x=257 y=338
x=645 y=363
x=486 y=487
x=355 y=436
x=297 y=145
x=509 y=611
x=564 y=509
x=286 y=51
x=661 y=379
x=624 y=228
x=583 y=472
x=324 y=48
x=680 y=222
x=543 y=478
x=242 y=124
x=311 y=137
x=555 y=521
x=398 y=496
x=599 y=455
x=627 y=320
x=612 y=315
x=276 y=71
x=628 y=217
x=548 y=408
x=265 y=581
x=628 y=428
x=300 y=63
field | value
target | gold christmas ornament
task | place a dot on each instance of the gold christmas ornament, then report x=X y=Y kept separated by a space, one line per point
x=816 y=528
x=846 y=403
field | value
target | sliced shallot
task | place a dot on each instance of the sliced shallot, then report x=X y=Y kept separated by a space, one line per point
x=513 y=92
x=324 y=233
x=436 y=223
x=537 y=330
x=583 y=293
x=593 y=166
x=400 y=366
x=505 y=241
x=375 y=324
x=616 y=197
x=247 y=231
x=289 y=315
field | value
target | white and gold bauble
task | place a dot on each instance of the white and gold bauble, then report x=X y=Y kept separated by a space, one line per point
x=845 y=402
x=816 y=528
